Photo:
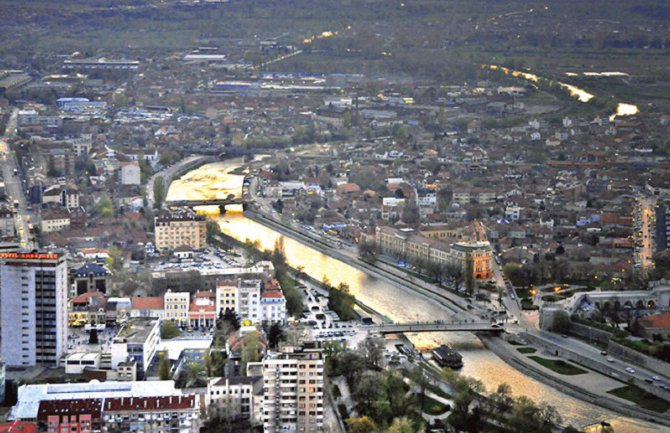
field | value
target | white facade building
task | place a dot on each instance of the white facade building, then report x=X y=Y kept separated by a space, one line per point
x=137 y=340
x=131 y=173
x=33 y=307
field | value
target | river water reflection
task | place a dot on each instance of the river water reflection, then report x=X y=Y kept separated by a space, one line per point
x=395 y=303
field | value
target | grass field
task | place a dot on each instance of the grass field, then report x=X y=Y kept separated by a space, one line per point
x=559 y=366
x=642 y=398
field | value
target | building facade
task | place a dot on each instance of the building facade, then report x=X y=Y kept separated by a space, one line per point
x=180 y=228
x=176 y=307
x=137 y=341
x=293 y=390
x=33 y=306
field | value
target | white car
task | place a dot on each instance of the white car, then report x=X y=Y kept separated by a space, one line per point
x=630 y=370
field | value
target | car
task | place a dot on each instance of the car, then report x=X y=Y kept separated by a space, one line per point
x=610 y=359
x=630 y=370
x=512 y=297
x=603 y=353
x=656 y=378
x=564 y=335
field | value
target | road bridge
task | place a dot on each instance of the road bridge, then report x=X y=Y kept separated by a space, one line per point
x=205 y=202
x=454 y=326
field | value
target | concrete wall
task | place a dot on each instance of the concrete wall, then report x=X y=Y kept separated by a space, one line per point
x=589 y=333
x=636 y=358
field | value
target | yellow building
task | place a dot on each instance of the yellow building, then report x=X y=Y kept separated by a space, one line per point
x=176 y=306
x=180 y=228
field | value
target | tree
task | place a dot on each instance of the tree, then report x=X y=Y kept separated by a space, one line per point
x=214 y=362
x=367 y=250
x=114 y=258
x=404 y=425
x=369 y=389
x=250 y=351
x=350 y=364
x=105 y=207
x=159 y=191
x=213 y=231
x=372 y=349
x=410 y=212
x=362 y=424
x=169 y=330
x=421 y=381
x=274 y=335
x=164 y=367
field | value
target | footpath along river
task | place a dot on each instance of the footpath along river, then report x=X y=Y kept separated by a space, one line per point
x=215 y=180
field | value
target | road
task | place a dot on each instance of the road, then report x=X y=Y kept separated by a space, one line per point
x=609 y=364
x=13 y=183
x=644 y=220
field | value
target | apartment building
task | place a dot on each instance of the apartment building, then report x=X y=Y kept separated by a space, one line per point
x=293 y=389
x=407 y=244
x=235 y=397
x=250 y=302
x=176 y=229
x=33 y=307
x=155 y=406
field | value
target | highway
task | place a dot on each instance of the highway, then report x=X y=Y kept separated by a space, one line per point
x=13 y=183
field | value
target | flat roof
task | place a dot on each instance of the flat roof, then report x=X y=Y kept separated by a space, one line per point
x=30 y=396
x=136 y=330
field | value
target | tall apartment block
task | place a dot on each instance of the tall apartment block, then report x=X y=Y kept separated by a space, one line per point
x=33 y=307
x=293 y=390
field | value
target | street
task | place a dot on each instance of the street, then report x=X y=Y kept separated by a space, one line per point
x=13 y=183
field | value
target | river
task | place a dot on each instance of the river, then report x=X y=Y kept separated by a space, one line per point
x=215 y=180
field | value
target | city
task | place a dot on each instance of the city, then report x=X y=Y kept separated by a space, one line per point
x=362 y=217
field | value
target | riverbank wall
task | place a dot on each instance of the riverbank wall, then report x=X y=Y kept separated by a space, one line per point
x=399 y=279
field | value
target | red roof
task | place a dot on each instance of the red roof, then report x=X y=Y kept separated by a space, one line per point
x=272 y=294
x=656 y=321
x=85 y=297
x=148 y=303
x=205 y=294
x=18 y=427
x=201 y=308
x=89 y=406
x=129 y=404
x=348 y=188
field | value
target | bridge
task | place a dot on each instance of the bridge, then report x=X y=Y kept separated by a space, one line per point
x=455 y=326
x=205 y=202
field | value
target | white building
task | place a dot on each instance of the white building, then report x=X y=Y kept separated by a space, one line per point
x=273 y=306
x=293 y=390
x=130 y=173
x=234 y=397
x=249 y=302
x=176 y=306
x=33 y=307
x=30 y=396
x=137 y=340
x=512 y=213
x=77 y=362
